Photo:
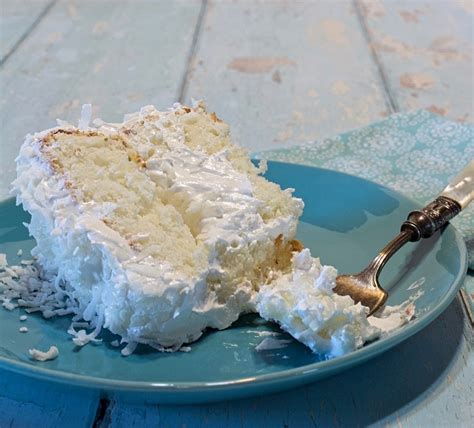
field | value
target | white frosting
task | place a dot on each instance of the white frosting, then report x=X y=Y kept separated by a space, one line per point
x=305 y=306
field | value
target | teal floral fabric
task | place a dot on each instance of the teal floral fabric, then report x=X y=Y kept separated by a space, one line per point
x=414 y=153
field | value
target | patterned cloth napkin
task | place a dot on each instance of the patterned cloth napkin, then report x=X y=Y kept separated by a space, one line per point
x=414 y=153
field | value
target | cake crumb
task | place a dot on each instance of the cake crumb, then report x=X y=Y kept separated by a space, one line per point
x=38 y=355
x=23 y=318
x=23 y=329
x=19 y=253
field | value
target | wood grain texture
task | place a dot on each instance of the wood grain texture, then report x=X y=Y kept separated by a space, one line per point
x=27 y=402
x=404 y=387
x=426 y=50
x=285 y=72
x=118 y=56
x=17 y=19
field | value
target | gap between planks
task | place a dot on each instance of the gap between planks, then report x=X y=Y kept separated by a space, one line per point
x=28 y=31
x=192 y=53
x=392 y=104
x=102 y=413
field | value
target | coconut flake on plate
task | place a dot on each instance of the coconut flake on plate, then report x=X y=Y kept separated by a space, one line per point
x=38 y=355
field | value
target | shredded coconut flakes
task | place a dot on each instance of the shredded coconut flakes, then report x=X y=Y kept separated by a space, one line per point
x=3 y=261
x=86 y=115
x=38 y=355
x=30 y=287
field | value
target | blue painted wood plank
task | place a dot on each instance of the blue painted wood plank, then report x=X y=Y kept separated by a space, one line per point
x=286 y=72
x=27 y=402
x=426 y=50
x=17 y=19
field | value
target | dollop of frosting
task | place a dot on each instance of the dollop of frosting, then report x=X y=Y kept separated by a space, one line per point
x=304 y=304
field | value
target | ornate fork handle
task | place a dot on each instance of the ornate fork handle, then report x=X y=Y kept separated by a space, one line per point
x=425 y=222
x=364 y=287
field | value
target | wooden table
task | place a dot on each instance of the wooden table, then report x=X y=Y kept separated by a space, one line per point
x=281 y=73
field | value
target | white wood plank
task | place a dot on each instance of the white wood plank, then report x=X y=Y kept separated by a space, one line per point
x=425 y=48
x=118 y=56
x=16 y=19
x=286 y=72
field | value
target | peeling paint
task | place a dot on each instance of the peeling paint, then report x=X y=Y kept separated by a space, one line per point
x=339 y=87
x=417 y=81
x=359 y=111
x=285 y=134
x=254 y=65
x=373 y=8
x=444 y=49
x=462 y=119
x=134 y=96
x=335 y=31
x=72 y=10
x=441 y=111
x=298 y=116
x=389 y=44
x=100 y=27
x=276 y=77
x=99 y=65
x=412 y=17
x=54 y=37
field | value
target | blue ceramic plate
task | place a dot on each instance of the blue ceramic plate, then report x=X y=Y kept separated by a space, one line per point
x=346 y=221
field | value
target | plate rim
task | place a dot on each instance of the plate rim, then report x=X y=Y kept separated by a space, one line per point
x=305 y=373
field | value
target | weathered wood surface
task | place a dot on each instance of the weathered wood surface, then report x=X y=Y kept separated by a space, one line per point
x=271 y=68
x=17 y=20
x=26 y=402
x=425 y=50
x=281 y=73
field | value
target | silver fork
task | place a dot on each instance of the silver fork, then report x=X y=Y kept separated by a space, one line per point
x=364 y=287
